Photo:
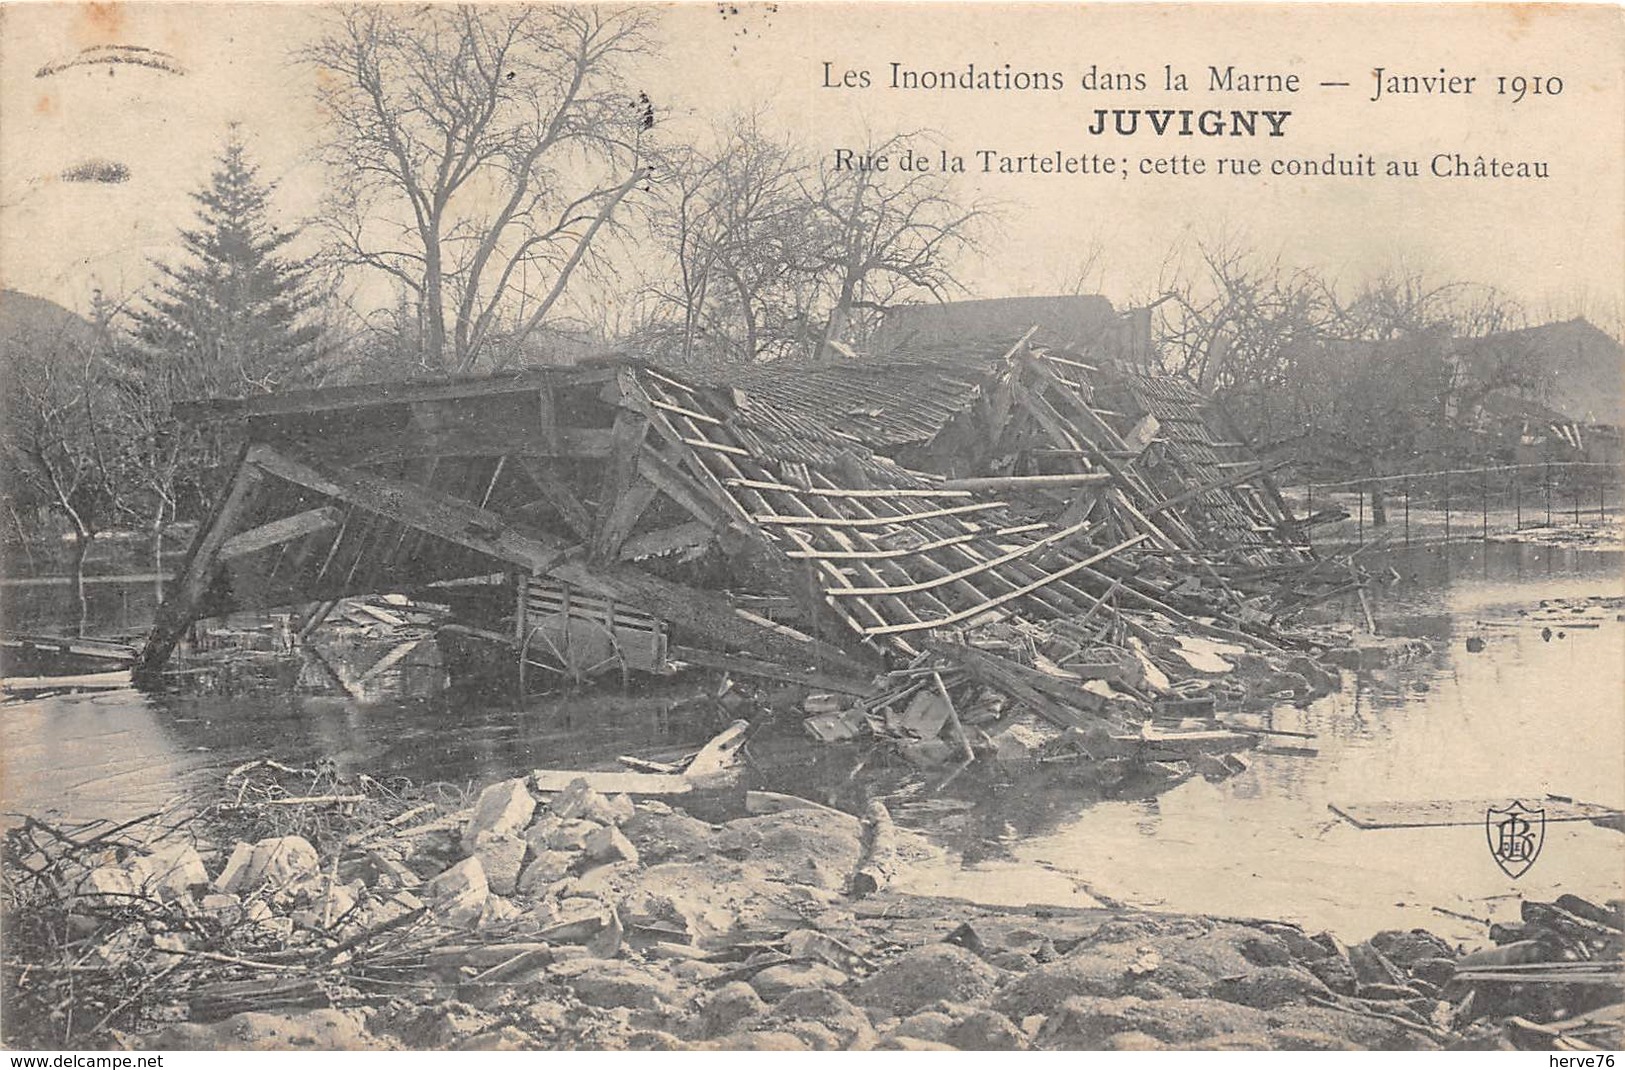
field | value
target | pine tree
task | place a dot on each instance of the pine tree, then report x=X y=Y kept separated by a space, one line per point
x=230 y=318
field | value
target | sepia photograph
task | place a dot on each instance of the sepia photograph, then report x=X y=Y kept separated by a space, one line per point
x=811 y=526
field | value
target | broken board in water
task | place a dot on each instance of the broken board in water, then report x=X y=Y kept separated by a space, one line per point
x=1442 y=812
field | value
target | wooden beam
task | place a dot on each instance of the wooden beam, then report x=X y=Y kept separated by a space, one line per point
x=453 y=519
x=1063 y=479
x=682 y=489
x=624 y=496
x=559 y=495
x=181 y=607
x=369 y=395
x=500 y=440
x=767 y=670
x=322 y=518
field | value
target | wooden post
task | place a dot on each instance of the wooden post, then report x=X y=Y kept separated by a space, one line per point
x=1447 y=507
x=1407 y=510
x=521 y=582
x=1548 y=493
x=181 y=608
x=1517 y=498
x=1359 y=492
x=1484 y=501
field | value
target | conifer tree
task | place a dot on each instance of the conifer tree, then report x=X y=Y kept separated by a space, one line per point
x=229 y=319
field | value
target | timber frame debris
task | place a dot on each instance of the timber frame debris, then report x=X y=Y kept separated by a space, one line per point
x=807 y=524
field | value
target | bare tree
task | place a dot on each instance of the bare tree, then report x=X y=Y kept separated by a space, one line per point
x=883 y=238
x=479 y=152
x=732 y=217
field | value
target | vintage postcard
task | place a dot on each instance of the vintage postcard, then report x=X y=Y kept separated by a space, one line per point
x=811 y=526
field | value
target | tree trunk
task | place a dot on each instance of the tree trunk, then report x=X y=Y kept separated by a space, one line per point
x=81 y=549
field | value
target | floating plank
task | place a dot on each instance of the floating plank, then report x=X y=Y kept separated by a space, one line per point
x=96 y=681
x=1439 y=813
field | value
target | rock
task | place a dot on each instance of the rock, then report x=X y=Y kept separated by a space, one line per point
x=987 y=1030
x=615 y=983
x=457 y=895
x=1336 y=974
x=1404 y=948
x=1437 y=972
x=1087 y=971
x=1371 y=967
x=607 y=844
x=653 y=1039
x=502 y=1038
x=924 y=1025
x=902 y=1043
x=1017 y=744
x=169 y=872
x=811 y=847
x=1134 y=1040
x=776 y=982
x=757 y=1041
x=548 y=867
x=832 y=1010
x=496 y=913
x=278 y=861
x=1268 y=987
x=550 y=833
x=921 y=977
x=662 y=835
x=108 y=880
x=1307 y=1040
x=503 y=809
x=579 y=802
x=501 y=855
x=1089 y=1021
x=732 y=1003
x=1012 y=961
x=927 y=753
x=578 y=920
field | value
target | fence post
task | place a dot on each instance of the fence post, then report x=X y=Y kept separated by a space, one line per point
x=1484 y=501
x=1548 y=493
x=1309 y=518
x=1359 y=491
x=1602 y=489
x=1407 y=510
x=1517 y=496
x=1447 y=505
x=1577 y=500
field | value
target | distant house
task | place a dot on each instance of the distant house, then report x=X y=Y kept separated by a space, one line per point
x=1068 y=320
x=1571 y=367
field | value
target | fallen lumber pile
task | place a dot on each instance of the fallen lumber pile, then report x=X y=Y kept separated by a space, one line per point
x=1129 y=691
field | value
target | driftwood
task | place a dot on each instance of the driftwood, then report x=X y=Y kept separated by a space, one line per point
x=879 y=861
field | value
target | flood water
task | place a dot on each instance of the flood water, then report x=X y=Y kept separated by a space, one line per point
x=1524 y=717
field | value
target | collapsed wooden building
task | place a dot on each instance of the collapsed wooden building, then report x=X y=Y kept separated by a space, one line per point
x=817 y=524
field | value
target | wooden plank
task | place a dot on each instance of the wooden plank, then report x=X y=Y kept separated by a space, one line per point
x=879 y=521
x=322 y=518
x=453 y=519
x=768 y=670
x=1026 y=686
x=491 y=441
x=559 y=495
x=327 y=399
x=848 y=492
x=993 y=603
x=682 y=489
x=622 y=497
x=972 y=570
x=1062 y=479
x=1440 y=813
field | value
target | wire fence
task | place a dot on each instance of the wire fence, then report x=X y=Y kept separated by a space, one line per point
x=1461 y=502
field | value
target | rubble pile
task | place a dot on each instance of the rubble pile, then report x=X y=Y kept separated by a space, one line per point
x=574 y=919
